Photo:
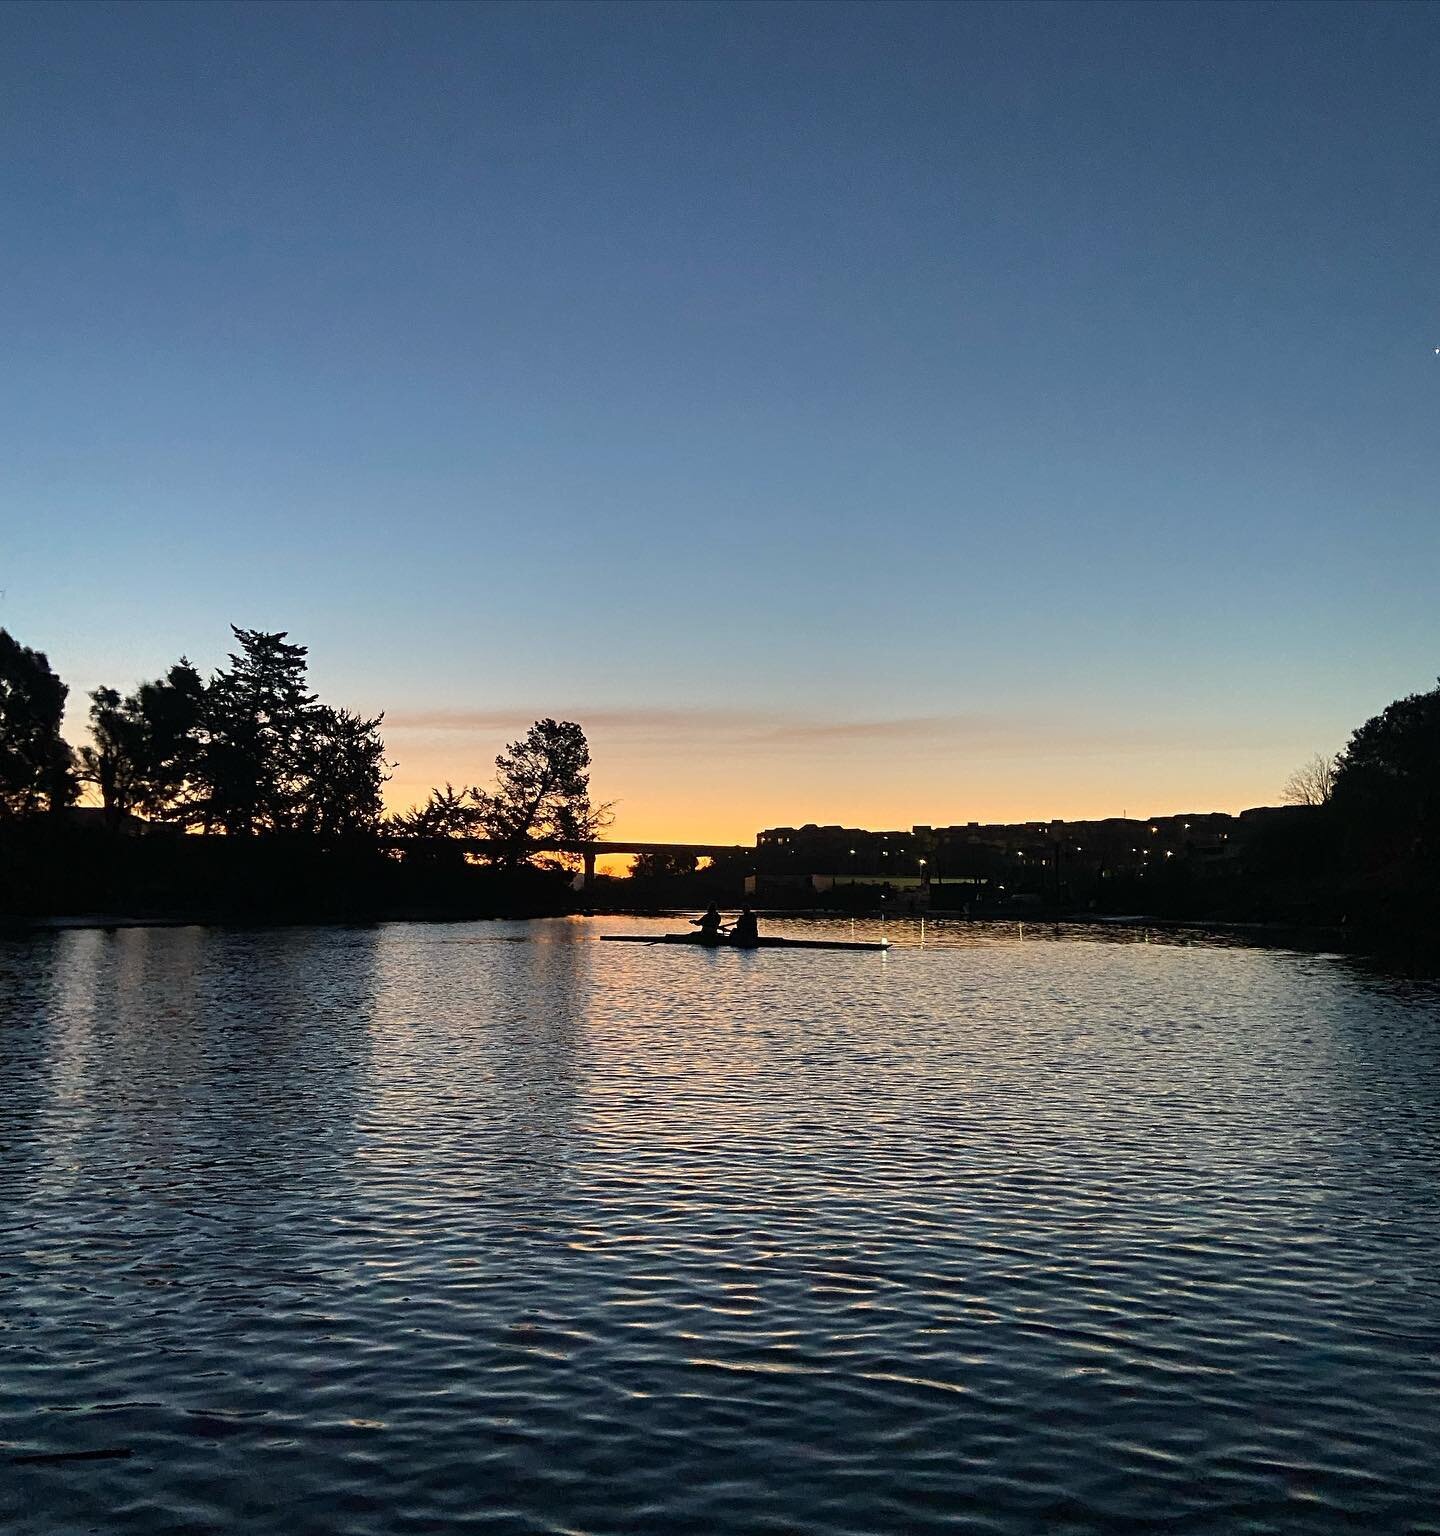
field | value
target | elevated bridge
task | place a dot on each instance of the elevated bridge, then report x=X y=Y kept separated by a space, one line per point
x=588 y=852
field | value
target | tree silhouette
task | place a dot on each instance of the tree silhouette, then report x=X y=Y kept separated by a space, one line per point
x=449 y=812
x=36 y=763
x=251 y=768
x=1312 y=783
x=1387 y=780
x=662 y=865
x=145 y=747
x=272 y=758
x=111 y=762
x=342 y=771
x=542 y=792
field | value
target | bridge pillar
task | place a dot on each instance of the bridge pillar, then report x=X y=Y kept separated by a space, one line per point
x=588 y=878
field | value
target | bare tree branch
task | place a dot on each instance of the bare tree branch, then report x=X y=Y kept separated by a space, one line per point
x=1312 y=783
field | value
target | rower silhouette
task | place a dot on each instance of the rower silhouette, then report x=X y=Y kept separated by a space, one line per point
x=709 y=925
x=746 y=931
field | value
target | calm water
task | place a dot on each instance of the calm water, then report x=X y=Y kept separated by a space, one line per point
x=496 y=1228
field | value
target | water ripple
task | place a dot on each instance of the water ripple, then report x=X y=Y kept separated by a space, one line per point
x=405 y=1229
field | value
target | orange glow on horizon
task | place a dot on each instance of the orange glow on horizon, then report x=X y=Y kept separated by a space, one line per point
x=704 y=798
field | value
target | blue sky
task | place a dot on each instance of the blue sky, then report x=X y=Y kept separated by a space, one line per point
x=869 y=413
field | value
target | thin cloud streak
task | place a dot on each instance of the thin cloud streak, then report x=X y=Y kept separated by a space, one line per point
x=761 y=732
x=631 y=720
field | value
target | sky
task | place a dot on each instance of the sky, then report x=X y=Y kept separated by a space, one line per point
x=873 y=414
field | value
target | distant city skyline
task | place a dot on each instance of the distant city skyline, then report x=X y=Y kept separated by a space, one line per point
x=873 y=414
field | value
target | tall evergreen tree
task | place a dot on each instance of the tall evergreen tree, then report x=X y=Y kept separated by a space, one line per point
x=172 y=708
x=342 y=774
x=251 y=763
x=36 y=762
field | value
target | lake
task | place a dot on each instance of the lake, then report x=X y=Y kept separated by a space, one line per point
x=492 y=1227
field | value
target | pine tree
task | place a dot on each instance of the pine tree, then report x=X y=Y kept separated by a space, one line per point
x=342 y=773
x=251 y=768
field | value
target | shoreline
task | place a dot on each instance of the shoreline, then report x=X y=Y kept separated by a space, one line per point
x=91 y=920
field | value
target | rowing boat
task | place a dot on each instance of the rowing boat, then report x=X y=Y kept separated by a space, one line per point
x=766 y=942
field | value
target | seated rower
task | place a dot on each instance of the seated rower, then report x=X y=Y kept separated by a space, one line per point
x=746 y=931
x=709 y=924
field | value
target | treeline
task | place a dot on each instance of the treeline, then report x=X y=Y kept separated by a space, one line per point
x=289 y=790
x=250 y=750
x=1379 y=825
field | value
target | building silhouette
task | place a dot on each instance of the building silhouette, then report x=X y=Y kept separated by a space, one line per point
x=1012 y=863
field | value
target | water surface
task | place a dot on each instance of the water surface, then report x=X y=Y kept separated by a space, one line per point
x=497 y=1228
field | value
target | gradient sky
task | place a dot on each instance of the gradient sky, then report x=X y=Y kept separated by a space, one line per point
x=853 y=413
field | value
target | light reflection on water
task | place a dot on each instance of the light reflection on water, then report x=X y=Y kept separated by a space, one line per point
x=498 y=1227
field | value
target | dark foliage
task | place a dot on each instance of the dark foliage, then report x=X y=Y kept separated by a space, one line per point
x=36 y=764
x=542 y=793
x=448 y=813
x=251 y=751
x=663 y=865
x=1387 y=783
x=250 y=771
x=340 y=774
x=1385 y=814
x=145 y=747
